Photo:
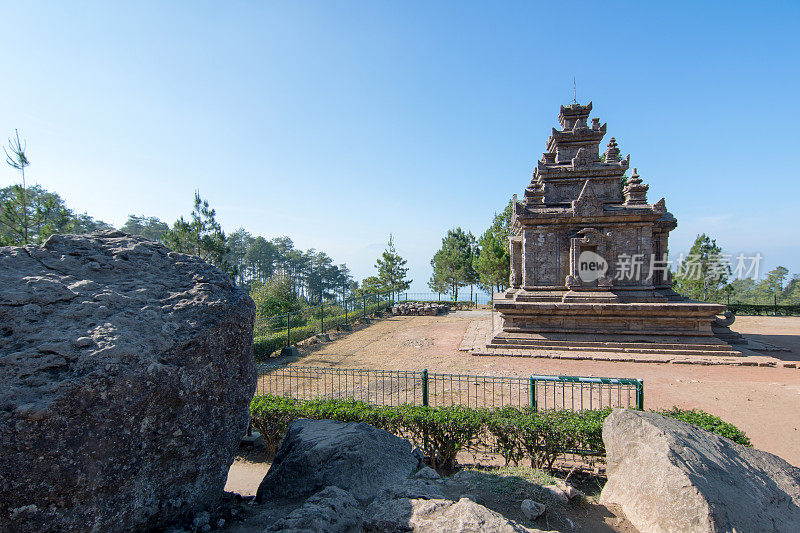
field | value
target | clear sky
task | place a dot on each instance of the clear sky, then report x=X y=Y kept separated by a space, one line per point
x=337 y=123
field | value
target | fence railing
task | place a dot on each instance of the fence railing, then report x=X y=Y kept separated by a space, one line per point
x=273 y=332
x=396 y=387
x=465 y=298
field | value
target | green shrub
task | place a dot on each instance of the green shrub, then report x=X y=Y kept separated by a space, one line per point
x=502 y=424
x=709 y=422
x=266 y=345
x=442 y=432
x=271 y=416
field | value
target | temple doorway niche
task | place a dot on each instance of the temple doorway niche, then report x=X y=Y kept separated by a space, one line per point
x=588 y=260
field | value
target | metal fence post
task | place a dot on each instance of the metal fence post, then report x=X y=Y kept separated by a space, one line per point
x=640 y=394
x=288 y=328
x=425 y=387
x=532 y=393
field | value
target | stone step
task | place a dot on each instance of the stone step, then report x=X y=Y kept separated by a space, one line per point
x=655 y=350
x=534 y=351
x=722 y=347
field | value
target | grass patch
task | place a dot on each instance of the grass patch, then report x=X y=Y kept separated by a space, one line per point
x=519 y=480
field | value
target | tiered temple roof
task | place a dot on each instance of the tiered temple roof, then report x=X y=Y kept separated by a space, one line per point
x=572 y=169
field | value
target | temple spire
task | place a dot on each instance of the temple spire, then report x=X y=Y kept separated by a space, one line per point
x=612 y=151
x=636 y=190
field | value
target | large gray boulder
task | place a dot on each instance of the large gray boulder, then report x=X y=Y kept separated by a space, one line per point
x=355 y=457
x=126 y=371
x=671 y=476
x=436 y=516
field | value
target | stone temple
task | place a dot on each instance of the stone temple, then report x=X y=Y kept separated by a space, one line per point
x=589 y=258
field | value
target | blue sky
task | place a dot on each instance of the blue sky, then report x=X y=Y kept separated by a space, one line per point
x=337 y=123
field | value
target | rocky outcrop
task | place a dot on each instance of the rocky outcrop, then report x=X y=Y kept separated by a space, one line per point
x=331 y=510
x=364 y=479
x=420 y=308
x=353 y=456
x=671 y=476
x=436 y=516
x=126 y=371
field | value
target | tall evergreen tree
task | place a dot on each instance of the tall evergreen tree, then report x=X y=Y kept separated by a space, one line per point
x=16 y=159
x=492 y=260
x=392 y=270
x=202 y=236
x=260 y=259
x=452 y=263
x=148 y=227
x=770 y=289
x=703 y=275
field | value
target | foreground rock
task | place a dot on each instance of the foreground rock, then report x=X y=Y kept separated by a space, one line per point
x=437 y=516
x=355 y=457
x=532 y=510
x=331 y=510
x=670 y=476
x=361 y=478
x=126 y=371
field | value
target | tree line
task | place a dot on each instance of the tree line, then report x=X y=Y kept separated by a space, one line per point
x=710 y=278
x=280 y=275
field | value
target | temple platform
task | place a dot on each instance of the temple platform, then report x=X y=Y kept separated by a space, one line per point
x=673 y=328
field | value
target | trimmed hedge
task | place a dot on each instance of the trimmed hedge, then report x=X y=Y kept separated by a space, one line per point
x=441 y=432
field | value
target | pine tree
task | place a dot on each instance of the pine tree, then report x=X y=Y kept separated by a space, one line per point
x=148 y=227
x=492 y=262
x=452 y=263
x=201 y=236
x=771 y=288
x=17 y=159
x=703 y=275
x=392 y=270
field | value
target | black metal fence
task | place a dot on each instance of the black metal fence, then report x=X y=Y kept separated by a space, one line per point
x=464 y=299
x=273 y=332
x=764 y=309
x=396 y=387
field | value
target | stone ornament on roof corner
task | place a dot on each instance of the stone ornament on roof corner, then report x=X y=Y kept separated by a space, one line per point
x=581 y=205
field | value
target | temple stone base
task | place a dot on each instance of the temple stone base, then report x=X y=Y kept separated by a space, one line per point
x=666 y=327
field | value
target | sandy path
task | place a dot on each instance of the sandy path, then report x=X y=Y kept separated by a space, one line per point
x=764 y=402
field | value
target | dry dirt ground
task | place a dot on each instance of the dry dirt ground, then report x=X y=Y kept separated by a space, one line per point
x=764 y=402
